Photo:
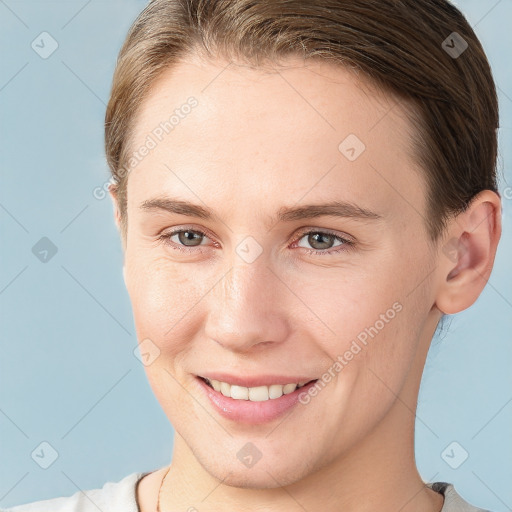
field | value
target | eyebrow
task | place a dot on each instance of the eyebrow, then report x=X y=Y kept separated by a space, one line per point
x=284 y=214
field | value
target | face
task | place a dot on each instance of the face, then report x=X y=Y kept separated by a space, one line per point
x=258 y=285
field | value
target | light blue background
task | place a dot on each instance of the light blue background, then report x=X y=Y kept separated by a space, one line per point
x=68 y=373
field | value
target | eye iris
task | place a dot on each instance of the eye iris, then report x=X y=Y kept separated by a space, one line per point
x=195 y=237
x=312 y=240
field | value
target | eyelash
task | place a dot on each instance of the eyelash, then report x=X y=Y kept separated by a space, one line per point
x=345 y=246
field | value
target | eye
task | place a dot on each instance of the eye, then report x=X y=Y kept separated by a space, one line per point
x=321 y=241
x=187 y=239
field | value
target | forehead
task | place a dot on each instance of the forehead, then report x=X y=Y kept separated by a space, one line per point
x=275 y=132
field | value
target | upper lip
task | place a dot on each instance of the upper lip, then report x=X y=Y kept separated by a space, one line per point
x=255 y=380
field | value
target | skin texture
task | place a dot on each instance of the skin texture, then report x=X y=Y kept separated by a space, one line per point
x=258 y=140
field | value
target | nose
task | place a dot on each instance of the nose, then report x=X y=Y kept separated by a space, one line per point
x=248 y=308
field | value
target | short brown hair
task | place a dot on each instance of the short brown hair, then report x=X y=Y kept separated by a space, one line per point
x=402 y=46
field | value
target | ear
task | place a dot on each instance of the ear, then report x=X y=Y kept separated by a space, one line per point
x=112 y=189
x=467 y=253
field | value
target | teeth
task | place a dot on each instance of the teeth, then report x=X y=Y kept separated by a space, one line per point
x=256 y=394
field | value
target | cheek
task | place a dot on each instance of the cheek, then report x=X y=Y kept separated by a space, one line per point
x=163 y=301
x=375 y=322
x=395 y=321
x=163 y=298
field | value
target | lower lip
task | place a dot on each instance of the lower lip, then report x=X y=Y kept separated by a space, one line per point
x=254 y=413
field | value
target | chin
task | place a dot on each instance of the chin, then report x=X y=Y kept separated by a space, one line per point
x=259 y=476
x=252 y=479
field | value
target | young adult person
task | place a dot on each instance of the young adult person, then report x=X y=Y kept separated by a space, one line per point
x=303 y=189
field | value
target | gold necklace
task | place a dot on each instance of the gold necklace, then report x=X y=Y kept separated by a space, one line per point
x=160 y=490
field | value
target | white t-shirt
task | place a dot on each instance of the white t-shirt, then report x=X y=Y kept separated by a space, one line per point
x=121 y=497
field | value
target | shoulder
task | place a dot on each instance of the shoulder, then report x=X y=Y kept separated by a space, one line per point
x=119 y=495
x=453 y=501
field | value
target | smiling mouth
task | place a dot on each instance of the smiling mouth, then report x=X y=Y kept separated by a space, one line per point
x=254 y=394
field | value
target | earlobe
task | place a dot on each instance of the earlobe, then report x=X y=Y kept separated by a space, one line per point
x=467 y=253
